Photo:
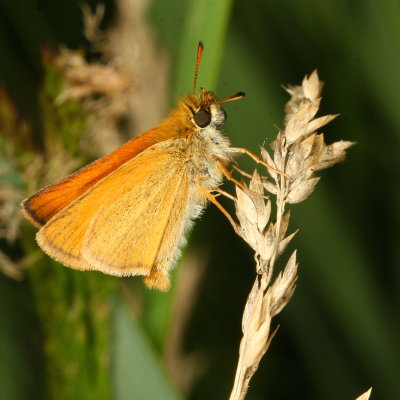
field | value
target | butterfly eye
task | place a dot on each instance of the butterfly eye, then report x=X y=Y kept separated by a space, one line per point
x=202 y=118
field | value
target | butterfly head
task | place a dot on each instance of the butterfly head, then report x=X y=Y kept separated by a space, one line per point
x=199 y=111
x=204 y=109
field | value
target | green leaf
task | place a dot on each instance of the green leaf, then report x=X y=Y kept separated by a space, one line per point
x=200 y=17
x=137 y=373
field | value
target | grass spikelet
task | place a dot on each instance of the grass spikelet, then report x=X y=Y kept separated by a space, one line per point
x=298 y=151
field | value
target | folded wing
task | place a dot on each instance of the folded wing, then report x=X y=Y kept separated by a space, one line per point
x=130 y=223
x=47 y=202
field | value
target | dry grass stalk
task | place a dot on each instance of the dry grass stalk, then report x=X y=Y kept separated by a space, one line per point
x=16 y=269
x=298 y=151
x=85 y=80
x=366 y=395
x=131 y=74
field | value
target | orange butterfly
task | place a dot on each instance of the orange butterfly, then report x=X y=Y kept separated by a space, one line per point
x=127 y=213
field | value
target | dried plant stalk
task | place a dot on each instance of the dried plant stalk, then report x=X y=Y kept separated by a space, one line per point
x=298 y=152
x=366 y=395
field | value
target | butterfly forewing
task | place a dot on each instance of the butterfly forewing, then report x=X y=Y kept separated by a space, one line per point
x=119 y=226
x=49 y=201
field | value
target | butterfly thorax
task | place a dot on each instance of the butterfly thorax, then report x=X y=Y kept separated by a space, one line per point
x=206 y=145
x=196 y=126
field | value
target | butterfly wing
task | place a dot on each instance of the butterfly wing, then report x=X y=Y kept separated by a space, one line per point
x=47 y=202
x=130 y=223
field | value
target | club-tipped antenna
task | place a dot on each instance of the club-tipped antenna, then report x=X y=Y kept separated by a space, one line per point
x=236 y=96
x=200 y=49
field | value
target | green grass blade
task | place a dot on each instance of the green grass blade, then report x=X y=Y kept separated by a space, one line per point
x=206 y=21
x=137 y=373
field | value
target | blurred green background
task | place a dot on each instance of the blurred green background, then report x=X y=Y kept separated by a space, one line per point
x=72 y=335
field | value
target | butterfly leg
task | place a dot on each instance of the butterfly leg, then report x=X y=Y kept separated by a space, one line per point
x=229 y=176
x=241 y=172
x=247 y=175
x=257 y=159
x=214 y=200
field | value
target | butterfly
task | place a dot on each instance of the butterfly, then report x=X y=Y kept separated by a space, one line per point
x=128 y=212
